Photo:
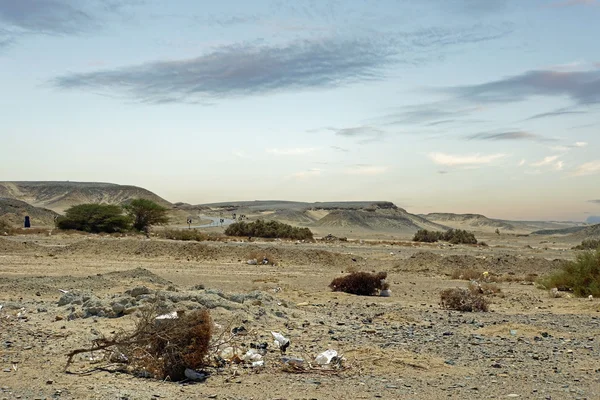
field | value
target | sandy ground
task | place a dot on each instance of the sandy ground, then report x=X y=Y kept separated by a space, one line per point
x=530 y=346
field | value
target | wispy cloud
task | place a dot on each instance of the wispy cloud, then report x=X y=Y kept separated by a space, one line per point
x=366 y=134
x=307 y=174
x=249 y=69
x=366 y=170
x=566 y=148
x=46 y=16
x=583 y=87
x=594 y=201
x=522 y=162
x=513 y=135
x=338 y=148
x=453 y=160
x=546 y=161
x=296 y=151
x=556 y=113
x=590 y=168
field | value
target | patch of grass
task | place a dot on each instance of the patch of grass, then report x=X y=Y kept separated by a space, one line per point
x=183 y=234
x=463 y=300
x=360 y=283
x=581 y=276
x=467 y=274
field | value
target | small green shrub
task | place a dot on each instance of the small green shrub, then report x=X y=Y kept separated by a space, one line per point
x=454 y=236
x=426 y=236
x=588 y=244
x=94 y=218
x=581 y=276
x=269 y=229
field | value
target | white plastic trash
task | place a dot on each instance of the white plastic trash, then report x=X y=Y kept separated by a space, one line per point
x=258 y=364
x=292 y=360
x=252 y=355
x=325 y=357
x=171 y=315
x=280 y=340
x=385 y=293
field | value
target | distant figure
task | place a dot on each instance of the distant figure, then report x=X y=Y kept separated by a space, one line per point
x=27 y=223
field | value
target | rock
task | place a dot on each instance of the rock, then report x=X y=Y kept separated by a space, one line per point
x=138 y=291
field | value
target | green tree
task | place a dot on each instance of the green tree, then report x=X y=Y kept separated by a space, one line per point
x=145 y=213
x=94 y=218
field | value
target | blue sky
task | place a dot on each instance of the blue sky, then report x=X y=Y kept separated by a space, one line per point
x=478 y=106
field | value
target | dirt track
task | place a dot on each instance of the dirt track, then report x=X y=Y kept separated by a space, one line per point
x=404 y=346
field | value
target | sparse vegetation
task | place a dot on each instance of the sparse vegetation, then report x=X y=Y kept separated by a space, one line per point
x=145 y=213
x=183 y=234
x=463 y=300
x=581 y=276
x=269 y=229
x=588 y=244
x=360 y=283
x=454 y=236
x=161 y=349
x=5 y=227
x=94 y=218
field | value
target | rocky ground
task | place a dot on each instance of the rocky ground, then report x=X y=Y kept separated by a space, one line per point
x=530 y=345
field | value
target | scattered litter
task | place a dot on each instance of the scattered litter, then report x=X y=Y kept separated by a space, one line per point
x=171 y=315
x=281 y=341
x=195 y=375
x=241 y=330
x=385 y=293
x=252 y=355
x=296 y=361
x=63 y=291
x=325 y=357
x=590 y=298
x=252 y=262
x=258 y=364
x=513 y=332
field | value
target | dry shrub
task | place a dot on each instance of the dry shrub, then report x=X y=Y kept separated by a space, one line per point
x=463 y=300
x=161 y=349
x=260 y=255
x=360 y=283
x=467 y=274
x=183 y=234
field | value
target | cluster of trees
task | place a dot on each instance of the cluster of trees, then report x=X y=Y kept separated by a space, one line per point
x=269 y=229
x=588 y=244
x=139 y=215
x=454 y=236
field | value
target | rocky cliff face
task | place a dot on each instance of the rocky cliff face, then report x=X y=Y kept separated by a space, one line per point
x=58 y=196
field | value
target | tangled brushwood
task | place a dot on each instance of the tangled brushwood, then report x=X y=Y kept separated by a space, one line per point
x=463 y=300
x=360 y=283
x=159 y=348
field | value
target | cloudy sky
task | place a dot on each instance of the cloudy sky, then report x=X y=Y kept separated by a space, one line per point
x=486 y=106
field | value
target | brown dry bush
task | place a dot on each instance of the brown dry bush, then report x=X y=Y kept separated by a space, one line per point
x=161 y=349
x=463 y=300
x=483 y=288
x=360 y=283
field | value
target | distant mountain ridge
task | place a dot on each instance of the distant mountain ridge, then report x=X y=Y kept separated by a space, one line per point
x=58 y=196
x=473 y=220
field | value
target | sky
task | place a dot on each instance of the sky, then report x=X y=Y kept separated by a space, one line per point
x=465 y=106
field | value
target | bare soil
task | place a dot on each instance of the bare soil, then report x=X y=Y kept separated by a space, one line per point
x=529 y=346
